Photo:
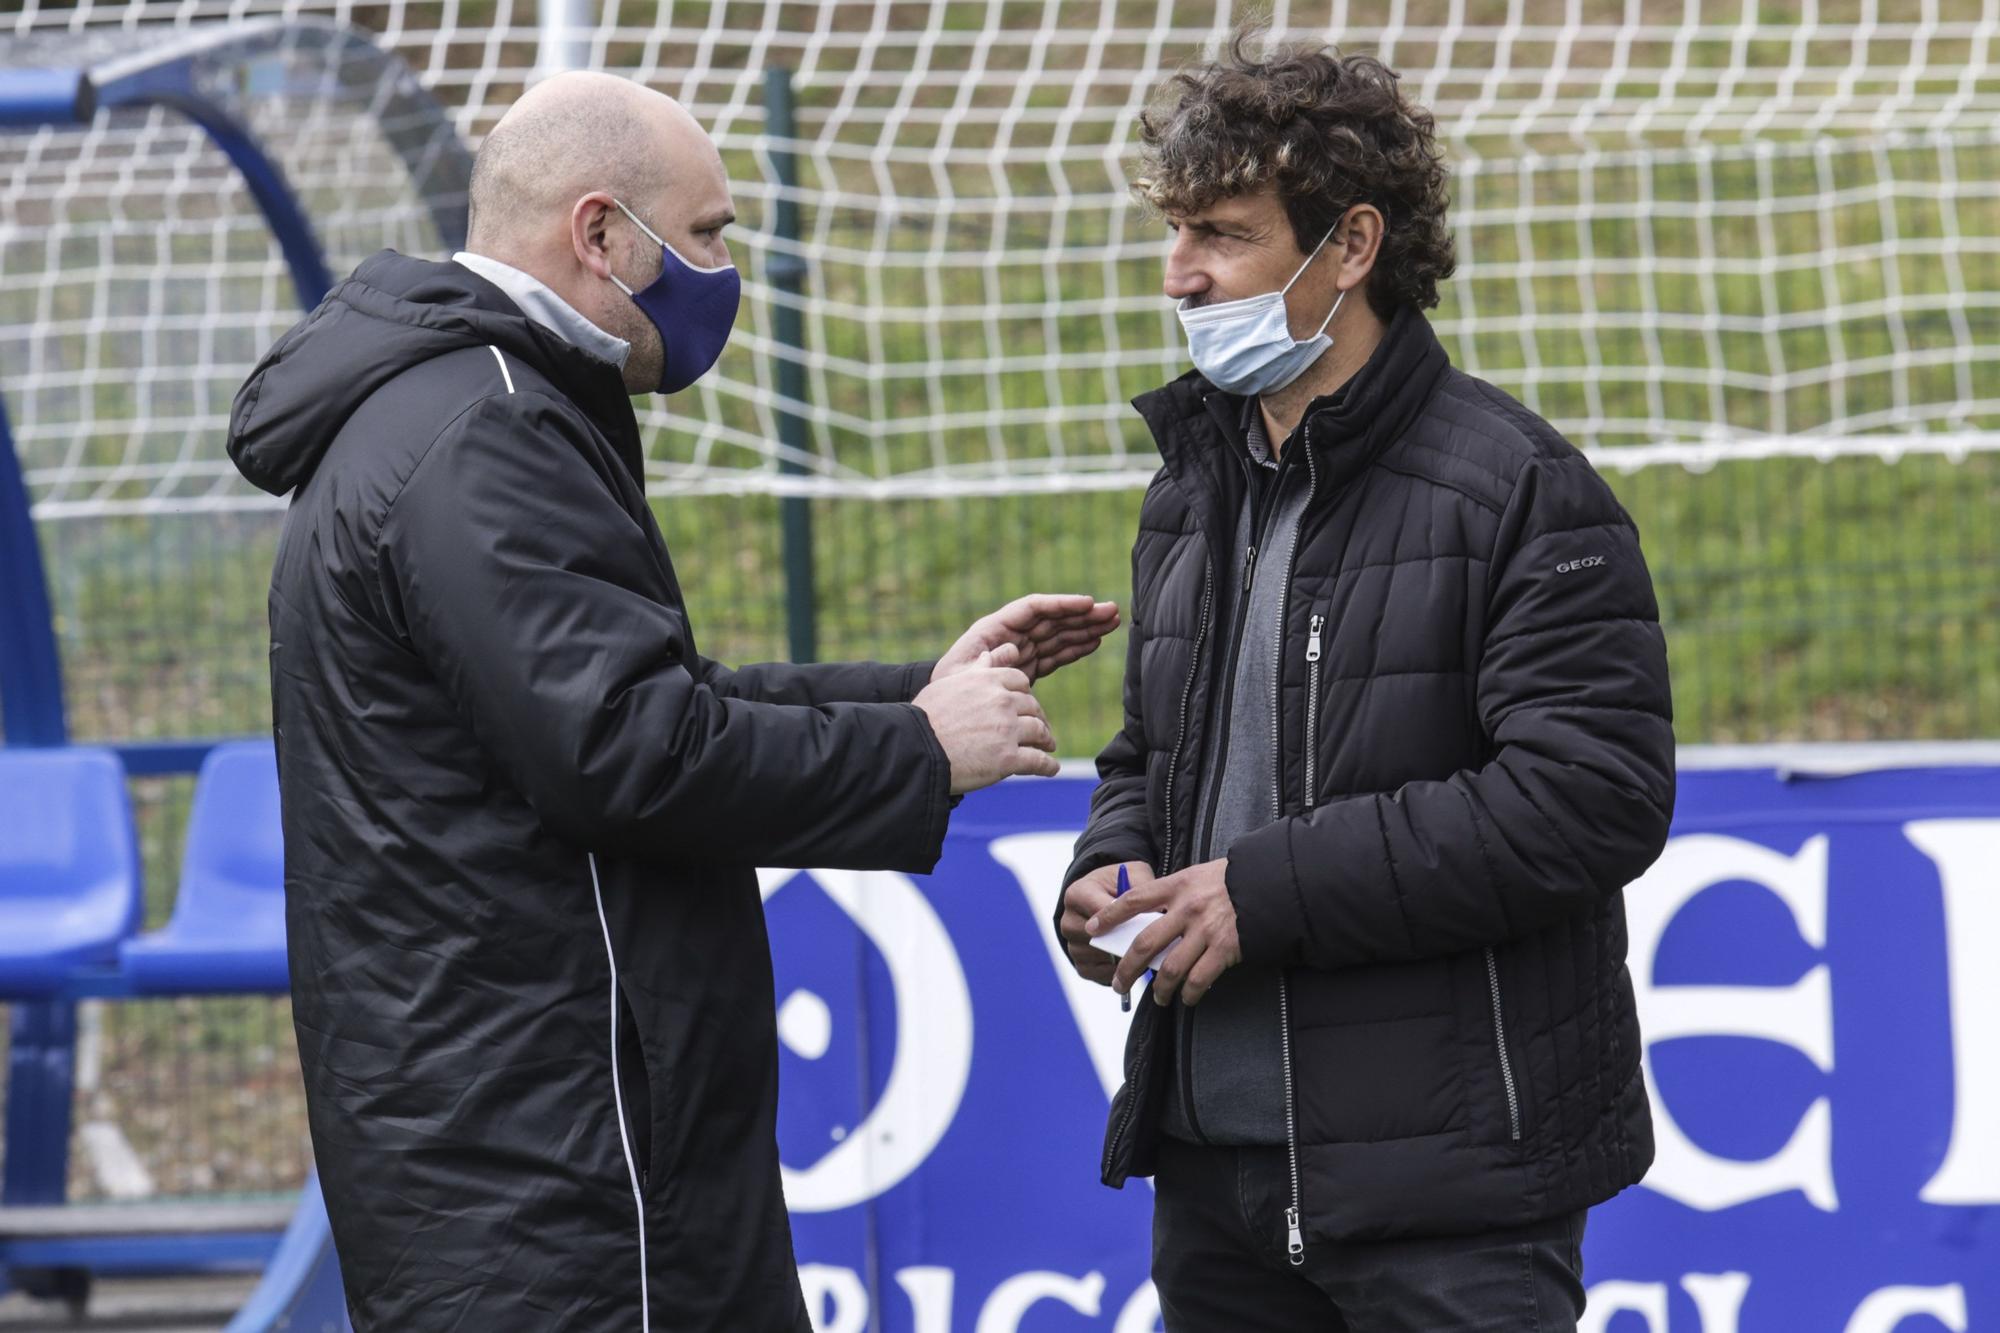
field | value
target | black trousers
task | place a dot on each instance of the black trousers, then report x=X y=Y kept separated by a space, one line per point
x=1220 y=1265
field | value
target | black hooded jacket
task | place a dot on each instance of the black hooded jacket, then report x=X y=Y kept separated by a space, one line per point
x=1475 y=756
x=530 y=975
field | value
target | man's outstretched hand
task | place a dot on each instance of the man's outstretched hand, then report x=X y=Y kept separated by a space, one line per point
x=1046 y=630
x=989 y=723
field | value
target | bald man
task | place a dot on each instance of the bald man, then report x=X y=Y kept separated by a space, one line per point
x=522 y=812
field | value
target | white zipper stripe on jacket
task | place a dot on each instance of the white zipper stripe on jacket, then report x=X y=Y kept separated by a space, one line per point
x=504 y=373
x=618 y=1099
x=617 y=1087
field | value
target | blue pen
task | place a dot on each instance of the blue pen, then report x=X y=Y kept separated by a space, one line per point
x=1124 y=883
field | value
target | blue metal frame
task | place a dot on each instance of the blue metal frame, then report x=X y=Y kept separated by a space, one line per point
x=156 y=759
x=207 y=1252
x=301 y=1287
x=31 y=97
x=31 y=688
x=41 y=1059
x=41 y=1050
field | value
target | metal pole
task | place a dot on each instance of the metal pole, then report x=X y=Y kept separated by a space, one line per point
x=31 y=684
x=786 y=270
x=43 y=1044
x=565 y=25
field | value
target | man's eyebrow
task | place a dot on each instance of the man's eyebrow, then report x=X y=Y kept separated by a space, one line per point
x=715 y=221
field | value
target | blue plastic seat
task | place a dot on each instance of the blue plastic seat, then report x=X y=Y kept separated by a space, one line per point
x=227 y=932
x=69 y=866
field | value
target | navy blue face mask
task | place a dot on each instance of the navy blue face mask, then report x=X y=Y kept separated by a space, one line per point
x=694 y=309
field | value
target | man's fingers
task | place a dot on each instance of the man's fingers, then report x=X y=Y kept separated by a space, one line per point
x=1186 y=955
x=1014 y=679
x=1143 y=950
x=1139 y=955
x=1202 y=976
x=1047 y=663
x=1028 y=705
x=1092 y=964
x=1146 y=896
x=1081 y=901
x=1023 y=612
x=1090 y=892
x=1036 y=734
x=1100 y=618
x=1137 y=873
x=1006 y=655
x=1036 y=763
x=1068 y=640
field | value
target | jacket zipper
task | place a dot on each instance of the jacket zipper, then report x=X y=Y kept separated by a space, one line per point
x=1295 y=1241
x=1312 y=709
x=1133 y=1078
x=1500 y=1046
x=1138 y=1069
x=1187 y=697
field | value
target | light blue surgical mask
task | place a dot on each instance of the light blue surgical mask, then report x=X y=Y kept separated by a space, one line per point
x=1246 y=347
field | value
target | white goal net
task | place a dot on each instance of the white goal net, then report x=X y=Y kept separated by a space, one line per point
x=1683 y=237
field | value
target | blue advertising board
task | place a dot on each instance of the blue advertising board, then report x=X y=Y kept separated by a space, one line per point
x=1817 y=961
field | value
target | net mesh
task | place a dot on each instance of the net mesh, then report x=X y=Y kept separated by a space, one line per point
x=1735 y=230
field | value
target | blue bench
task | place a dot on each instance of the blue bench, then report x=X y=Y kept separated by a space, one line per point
x=69 y=867
x=70 y=906
x=227 y=932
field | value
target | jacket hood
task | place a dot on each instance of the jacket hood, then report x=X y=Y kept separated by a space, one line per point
x=394 y=312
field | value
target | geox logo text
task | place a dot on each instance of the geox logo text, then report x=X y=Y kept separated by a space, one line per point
x=1587 y=562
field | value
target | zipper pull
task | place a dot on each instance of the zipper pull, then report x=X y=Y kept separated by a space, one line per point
x=1295 y=1241
x=1249 y=564
x=1312 y=641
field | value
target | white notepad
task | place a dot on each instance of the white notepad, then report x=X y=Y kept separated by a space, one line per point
x=1119 y=939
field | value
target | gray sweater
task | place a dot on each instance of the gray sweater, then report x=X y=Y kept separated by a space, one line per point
x=1229 y=1054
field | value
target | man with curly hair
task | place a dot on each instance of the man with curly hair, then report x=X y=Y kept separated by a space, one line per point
x=1397 y=733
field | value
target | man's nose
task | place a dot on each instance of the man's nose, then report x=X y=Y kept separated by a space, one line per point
x=1183 y=277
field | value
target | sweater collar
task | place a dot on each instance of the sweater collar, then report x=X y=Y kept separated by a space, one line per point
x=539 y=303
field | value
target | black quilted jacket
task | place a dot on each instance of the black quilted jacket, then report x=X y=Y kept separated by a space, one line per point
x=1475 y=756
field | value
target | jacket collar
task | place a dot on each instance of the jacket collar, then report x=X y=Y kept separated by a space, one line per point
x=540 y=303
x=585 y=378
x=1346 y=430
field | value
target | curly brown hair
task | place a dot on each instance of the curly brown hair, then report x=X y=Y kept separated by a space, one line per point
x=1328 y=131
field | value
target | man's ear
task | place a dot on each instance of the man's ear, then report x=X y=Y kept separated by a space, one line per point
x=1356 y=242
x=590 y=232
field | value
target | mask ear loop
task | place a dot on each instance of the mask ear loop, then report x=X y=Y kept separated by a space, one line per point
x=616 y=280
x=1309 y=258
x=1308 y=264
x=1330 y=314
